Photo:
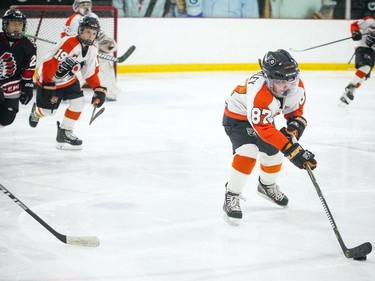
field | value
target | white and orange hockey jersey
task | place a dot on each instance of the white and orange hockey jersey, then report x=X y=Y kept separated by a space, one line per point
x=255 y=103
x=70 y=47
x=365 y=26
x=72 y=24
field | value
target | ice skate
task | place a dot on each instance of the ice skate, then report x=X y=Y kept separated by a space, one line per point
x=273 y=194
x=66 y=140
x=34 y=116
x=232 y=208
x=348 y=95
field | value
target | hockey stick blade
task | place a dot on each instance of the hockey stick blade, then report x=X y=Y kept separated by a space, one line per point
x=359 y=251
x=87 y=241
x=126 y=54
x=94 y=116
x=356 y=252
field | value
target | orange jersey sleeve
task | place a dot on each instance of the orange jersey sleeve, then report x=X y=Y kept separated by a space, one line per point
x=262 y=120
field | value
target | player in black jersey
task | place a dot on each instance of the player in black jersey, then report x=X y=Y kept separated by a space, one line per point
x=17 y=66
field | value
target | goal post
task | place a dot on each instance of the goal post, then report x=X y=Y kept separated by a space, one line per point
x=48 y=21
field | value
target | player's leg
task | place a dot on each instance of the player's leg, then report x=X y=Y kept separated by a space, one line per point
x=270 y=166
x=245 y=152
x=364 y=62
x=8 y=111
x=66 y=139
x=42 y=107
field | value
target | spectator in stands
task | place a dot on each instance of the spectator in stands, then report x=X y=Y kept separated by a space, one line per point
x=145 y=8
x=231 y=8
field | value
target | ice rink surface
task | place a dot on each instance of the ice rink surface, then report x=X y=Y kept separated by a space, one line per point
x=149 y=183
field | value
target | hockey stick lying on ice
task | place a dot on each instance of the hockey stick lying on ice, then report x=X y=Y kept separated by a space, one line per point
x=102 y=56
x=88 y=241
x=94 y=116
x=358 y=253
x=294 y=50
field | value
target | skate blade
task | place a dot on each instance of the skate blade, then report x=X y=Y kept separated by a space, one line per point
x=66 y=146
x=110 y=98
x=343 y=104
x=232 y=221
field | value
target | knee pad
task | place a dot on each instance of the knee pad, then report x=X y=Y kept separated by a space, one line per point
x=248 y=150
x=77 y=104
x=272 y=160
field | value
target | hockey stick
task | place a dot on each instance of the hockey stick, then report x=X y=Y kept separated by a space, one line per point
x=94 y=116
x=100 y=55
x=294 y=50
x=351 y=58
x=357 y=253
x=88 y=241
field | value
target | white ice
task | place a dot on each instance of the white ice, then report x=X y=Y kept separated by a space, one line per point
x=149 y=183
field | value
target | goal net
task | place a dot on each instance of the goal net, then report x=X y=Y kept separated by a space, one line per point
x=48 y=21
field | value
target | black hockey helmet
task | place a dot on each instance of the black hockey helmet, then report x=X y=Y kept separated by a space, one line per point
x=14 y=15
x=279 y=66
x=91 y=23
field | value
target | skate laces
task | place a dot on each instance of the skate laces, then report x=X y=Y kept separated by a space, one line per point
x=70 y=135
x=274 y=192
x=233 y=201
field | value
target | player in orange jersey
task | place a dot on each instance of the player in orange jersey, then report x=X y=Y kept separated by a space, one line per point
x=249 y=122
x=363 y=31
x=57 y=80
x=105 y=44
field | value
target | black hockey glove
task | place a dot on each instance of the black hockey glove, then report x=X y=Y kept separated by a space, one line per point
x=296 y=126
x=356 y=35
x=2 y=97
x=98 y=97
x=370 y=40
x=66 y=66
x=26 y=91
x=299 y=156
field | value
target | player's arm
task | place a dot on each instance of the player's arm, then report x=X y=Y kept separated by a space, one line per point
x=90 y=73
x=295 y=122
x=27 y=73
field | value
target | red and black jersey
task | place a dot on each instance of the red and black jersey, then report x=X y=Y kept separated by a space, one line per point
x=17 y=63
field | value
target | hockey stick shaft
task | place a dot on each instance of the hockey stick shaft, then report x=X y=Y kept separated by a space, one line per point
x=100 y=55
x=351 y=58
x=88 y=241
x=322 y=45
x=359 y=251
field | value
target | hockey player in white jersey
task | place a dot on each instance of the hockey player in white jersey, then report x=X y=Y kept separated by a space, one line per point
x=249 y=123
x=57 y=80
x=105 y=44
x=363 y=31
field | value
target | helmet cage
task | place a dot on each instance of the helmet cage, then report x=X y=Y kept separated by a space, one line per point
x=14 y=15
x=82 y=11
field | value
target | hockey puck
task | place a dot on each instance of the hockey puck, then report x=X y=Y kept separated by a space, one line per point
x=363 y=258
